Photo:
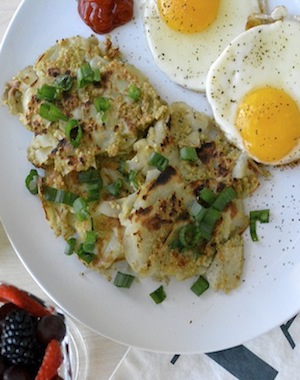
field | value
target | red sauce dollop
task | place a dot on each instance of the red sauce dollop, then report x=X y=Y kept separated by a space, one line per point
x=105 y=15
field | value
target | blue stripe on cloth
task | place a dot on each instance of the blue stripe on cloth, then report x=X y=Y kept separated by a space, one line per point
x=174 y=359
x=244 y=364
x=285 y=329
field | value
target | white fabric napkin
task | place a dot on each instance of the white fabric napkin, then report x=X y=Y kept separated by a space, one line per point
x=272 y=355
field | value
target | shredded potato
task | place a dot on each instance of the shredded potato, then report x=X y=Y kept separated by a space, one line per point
x=139 y=209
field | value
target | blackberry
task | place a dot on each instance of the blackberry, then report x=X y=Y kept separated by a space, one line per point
x=19 y=344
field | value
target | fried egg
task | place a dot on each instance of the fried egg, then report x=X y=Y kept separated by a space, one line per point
x=254 y=91
x=186 y=37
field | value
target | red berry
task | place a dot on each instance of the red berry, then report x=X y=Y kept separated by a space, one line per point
x=51 y=362
x=9 y=293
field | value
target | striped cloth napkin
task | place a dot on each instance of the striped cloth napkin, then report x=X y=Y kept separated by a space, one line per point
x=274 y=355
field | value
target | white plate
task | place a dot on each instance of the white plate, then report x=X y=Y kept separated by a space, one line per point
x=183 y=323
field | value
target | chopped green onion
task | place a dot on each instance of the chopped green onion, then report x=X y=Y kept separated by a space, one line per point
x=211 y=216
x=90 y=175
x=85 y=256
x=208 y=222
x=206 y=230
x=81 y=209
x=134 y=92
x=31 y=181
x=74 y=132
x=90 y=241
x=189 y=236
x=86 y=75
x=197 y=211
x=64 y=82
x=70 y=247
x=207 y=195
x=97 y=75
x=224 y=198
x=52 y=194
x=253 y=233
x=93 y=180
x=158 y=160
x=188 y=154
x=49 y=93
x=132 y=179
x=123 y=280
x=200 y=286
x=50 y=112
x=115 y=188
x=94 y=191
x=101 y=104
x=158 y=295
x=261 y=216
x=123 y=168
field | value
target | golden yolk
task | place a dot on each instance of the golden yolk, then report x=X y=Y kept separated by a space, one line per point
x=188 y=16
x=268 y=119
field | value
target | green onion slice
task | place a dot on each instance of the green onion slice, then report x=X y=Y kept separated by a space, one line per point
x=70 y=247
x=90 y=241
x=207 y=195
x=197 y=211
x=200 y=286
x=158 y=160
x=115 y=188
x=253 y=233
x=51 y=113
x=208 y=222
x=206 y=230
x=85 y=256
x=102 y=104
x=90 y=175
x=261 y=216
x=74 y=132
x=93 y=181
x=211 y=216
x=189 y=236
x=134 y=92
x=123 y=167
x=132 y=179
x=49 y=93
x=224 y=198
x=94 y=191
x=81 y=209
x=52 y=194
x=64 y=82
x=158 y=295
x=31 y=181
x=87 y=75
x=188 y=154
x=123 y=280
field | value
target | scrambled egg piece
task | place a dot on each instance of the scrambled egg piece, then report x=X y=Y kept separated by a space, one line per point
x=131 y=208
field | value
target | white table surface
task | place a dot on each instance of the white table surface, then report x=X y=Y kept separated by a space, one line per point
x=104 y=354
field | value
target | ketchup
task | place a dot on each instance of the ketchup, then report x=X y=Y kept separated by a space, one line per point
x=105 y=15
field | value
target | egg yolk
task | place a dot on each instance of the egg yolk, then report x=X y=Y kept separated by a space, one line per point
x=268 y=120
x=189 y=16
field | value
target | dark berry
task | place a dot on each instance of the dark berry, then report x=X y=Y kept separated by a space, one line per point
x=51 y=327
x=19 y=344
x=4 y=310
x=2 y=367
x=17 y=373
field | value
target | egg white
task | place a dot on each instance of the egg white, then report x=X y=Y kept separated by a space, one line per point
x=186 y=58
x=266 y=55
